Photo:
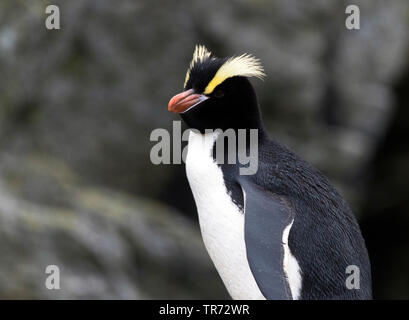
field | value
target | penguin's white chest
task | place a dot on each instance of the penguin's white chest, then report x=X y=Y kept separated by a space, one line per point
x=221 y=221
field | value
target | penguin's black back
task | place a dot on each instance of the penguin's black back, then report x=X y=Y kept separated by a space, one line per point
x=325 y=237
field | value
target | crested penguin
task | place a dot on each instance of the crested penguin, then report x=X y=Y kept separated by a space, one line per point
x=281 y=233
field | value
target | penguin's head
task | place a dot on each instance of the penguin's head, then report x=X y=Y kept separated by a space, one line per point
x=217 y=93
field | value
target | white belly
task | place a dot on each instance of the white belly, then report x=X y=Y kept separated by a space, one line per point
x=221 y=221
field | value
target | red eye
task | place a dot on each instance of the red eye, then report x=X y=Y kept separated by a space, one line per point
x=219 y=93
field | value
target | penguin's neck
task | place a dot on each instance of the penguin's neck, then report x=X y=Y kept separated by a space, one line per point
x=245 y=112
x=250 y=119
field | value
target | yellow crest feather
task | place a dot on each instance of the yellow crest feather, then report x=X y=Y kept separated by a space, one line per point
x=199 y=55
x=245 y=65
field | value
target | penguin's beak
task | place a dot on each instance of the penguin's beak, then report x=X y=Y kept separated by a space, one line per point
x=185 y=101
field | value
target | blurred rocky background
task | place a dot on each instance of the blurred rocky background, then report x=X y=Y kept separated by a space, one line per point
x=77 y=106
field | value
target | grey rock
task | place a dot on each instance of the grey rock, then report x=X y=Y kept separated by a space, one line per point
x=107 y=245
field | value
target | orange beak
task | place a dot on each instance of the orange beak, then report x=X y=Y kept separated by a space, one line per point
x=184 y=101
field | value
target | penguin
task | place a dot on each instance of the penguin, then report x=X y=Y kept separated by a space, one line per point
x=281 y=233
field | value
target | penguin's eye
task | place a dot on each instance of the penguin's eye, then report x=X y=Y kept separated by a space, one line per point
x=219 y=93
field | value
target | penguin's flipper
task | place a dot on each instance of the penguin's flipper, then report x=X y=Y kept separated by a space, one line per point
x=266 y=217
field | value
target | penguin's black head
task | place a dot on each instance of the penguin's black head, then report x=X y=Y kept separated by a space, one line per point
x=217 y=93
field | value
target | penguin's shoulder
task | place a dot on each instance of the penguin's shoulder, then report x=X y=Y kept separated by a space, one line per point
x=283 y=172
